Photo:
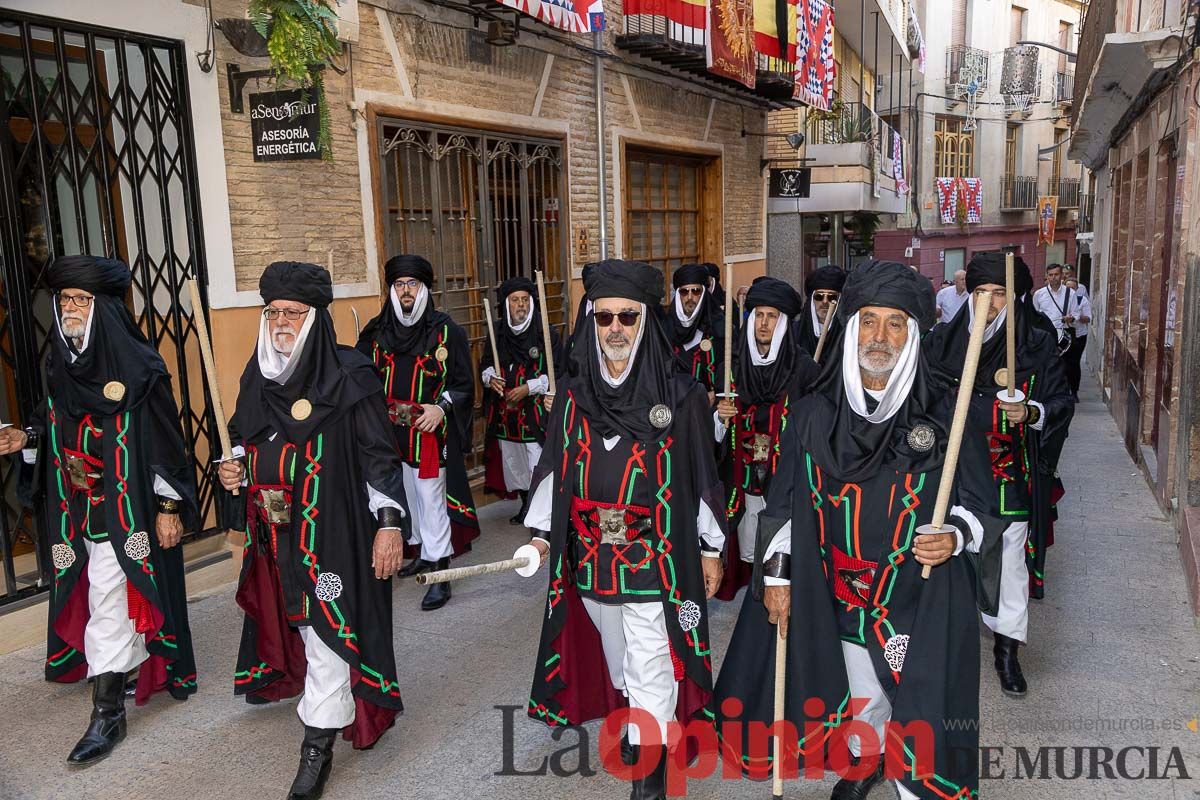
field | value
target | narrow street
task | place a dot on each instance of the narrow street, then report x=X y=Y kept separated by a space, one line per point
x=1114 y=630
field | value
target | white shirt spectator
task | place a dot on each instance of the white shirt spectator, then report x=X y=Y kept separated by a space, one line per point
x=950 y=301
x=1054 y=304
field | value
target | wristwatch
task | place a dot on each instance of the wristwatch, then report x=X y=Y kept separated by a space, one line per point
x=168 y=505
x=1032 y=414
x=445 y=405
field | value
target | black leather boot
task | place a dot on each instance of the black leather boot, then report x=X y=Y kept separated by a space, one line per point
x=627 y=757
x=1012 y=681
x=414 y=567
x=439 y=593
x=316 y=759
x=107 y=727
x=519 y=517
x=846 y=789
x=654 y=785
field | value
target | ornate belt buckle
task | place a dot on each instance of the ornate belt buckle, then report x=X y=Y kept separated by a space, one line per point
x=611 y=522
x=274 y=504
x=77 y=473
x=761 y=449
x=401 y=413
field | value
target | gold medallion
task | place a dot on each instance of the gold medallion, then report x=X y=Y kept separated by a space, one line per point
x=1002 y=376
x=114 y=390
x=441 y=354
x=706 y=345
x=301 y=409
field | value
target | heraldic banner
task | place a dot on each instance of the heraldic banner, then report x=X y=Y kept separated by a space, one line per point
x=730 y=51
x=574 y=16
x=815 y=67
x=1047 y=214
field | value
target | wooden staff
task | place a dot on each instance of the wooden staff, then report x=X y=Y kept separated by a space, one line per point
x=728 y=393
x=546 y=341
x=824 y=330
x=357 y=325
x=1010 y=324
x=210 y=371
x=780 y=683
x=525 y=561
x=965 y=387
x=487 y=312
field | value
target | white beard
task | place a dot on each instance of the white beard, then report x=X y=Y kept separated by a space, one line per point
x=872 y=364
x=616 y=352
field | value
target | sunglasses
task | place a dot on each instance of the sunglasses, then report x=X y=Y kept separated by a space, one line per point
x=825 y=297
x=691 y=291
x=626 y=318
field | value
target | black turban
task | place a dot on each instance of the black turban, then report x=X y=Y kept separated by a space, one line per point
x=93 y=274
x=768 y=291
x=633 y=280
x=989 y=268
x=827 y=278
x=690 y=274
x=889 y=284
x=408 y=266
x=295 y=280
x=518 y=283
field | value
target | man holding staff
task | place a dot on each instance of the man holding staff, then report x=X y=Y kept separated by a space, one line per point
x=119 y=492
x=695 y=326
x=321 y=499
x=630 y=511
x=424 y=360
x=516 y=416
x=823 y=288
x=1002 y=444
x=859 y=469
x=769 y=369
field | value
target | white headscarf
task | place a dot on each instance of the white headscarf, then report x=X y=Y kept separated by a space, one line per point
x=993 y=327
x=524 y=326
x=274 y=365
x=410 y=319
x=687 y=319
x=776 y=341
x=87 y=334
x=620 y=379
x=899 y=382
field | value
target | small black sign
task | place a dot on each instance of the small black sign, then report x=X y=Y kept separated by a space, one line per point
x=284 y=125
x=790 y=182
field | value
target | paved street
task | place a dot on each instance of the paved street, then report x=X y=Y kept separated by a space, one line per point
x=1113 y=641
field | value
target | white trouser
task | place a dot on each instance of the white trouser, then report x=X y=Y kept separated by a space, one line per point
x=430 y=519
x=111 y=642
x=638 y=653
x=864 y=684
x=1012 y=618
x=327 y=701
x=518 y=460
x=748 y=527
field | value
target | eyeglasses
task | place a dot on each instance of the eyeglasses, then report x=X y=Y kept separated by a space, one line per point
x=691 y=291
x=406 y=284
x=77 y=300
x=287 y=313
x=825 y=297
x=626 y=318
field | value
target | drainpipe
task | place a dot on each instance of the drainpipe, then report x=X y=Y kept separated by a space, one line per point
x=601 y=160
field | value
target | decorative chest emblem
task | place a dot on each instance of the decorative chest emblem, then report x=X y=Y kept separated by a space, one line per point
x=137 y=546
x=660 y=416
x=611 y=522
x=895 y=650
x=301 y=409
x=534 y=352
x=329 y=587
x=921 y=438
x=114 y=390
x=63 y=555
x=441 y=354
x=689 y=615
x=706 y=345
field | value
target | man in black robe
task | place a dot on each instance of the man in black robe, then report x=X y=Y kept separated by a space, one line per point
x=630 y=507
x=1001 y=446
x=695 y=326
x=424 y=360
x=769 y=371
x=120 y=491
x=516 y=416
x=321 y=499
x=822 y=288
x=858 y=473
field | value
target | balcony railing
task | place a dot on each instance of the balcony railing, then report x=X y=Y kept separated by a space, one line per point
x=845 y=123
x=1064 y=88
x=966 y=66
x=1067 y=190
x=1018 y=192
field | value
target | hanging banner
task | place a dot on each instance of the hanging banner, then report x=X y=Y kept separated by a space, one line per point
x=816 y=70
x=573 y=16
x=1047 y=213
x=902 y=187
x=916 y=42
x=730 y=49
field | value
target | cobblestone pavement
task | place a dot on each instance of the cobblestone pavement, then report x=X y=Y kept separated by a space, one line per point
x=1113 y=663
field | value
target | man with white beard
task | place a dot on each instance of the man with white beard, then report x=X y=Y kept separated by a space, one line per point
x=516 y=416
x=120 y=492
x=859 y=470
x=630 y=515
x=321 y=499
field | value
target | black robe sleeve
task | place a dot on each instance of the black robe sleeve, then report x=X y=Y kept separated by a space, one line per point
x=460 y=384
x=231 y=511
x=1054 y=394
x=382 y=466
x=168 y=457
